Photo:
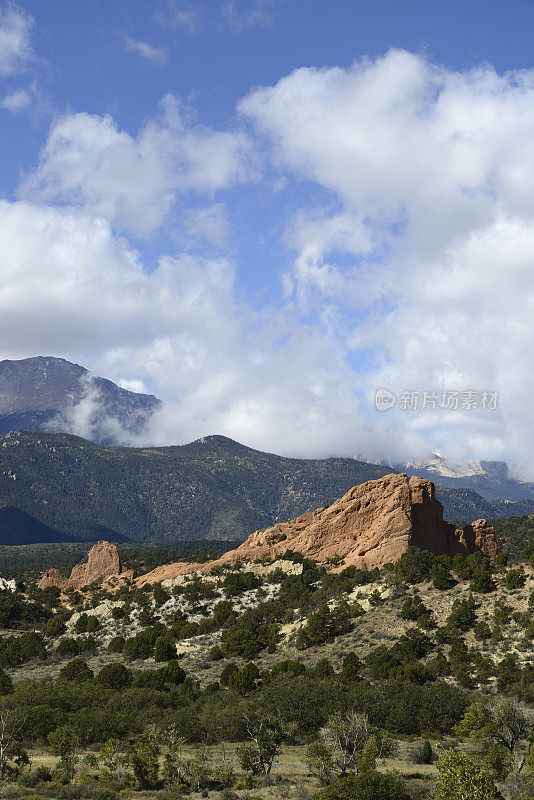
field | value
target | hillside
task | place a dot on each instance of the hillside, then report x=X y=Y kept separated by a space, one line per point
x=516 y=536
x=200 y=660
x=213 y=488
x=18 y=528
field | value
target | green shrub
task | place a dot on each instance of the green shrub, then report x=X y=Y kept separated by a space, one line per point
x=164 y=649
x=369 y=785
x=237 y=582
x=116 y=645
x=423 y=753
x=6 y=684
x=412 y=608
x=414 y=565
x=55 y=627
x=215 y=653
x=77 y=671
x=68 y=646
x=324 y=626
x=160 y=595
x=515 y=578
x=114 y=676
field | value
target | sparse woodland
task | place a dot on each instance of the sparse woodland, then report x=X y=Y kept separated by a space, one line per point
x=416 y=681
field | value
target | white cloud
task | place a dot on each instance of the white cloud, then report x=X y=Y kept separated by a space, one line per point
x=16 y=101
x=71 y=288
x=418 y=272
x=239 y=15
x=435 y=170
x=157 y=55
x=15 y=47
x=178 y=15
x=207 y=225
x=134 y=181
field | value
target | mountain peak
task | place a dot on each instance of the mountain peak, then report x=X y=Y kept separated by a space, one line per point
x=46 y=393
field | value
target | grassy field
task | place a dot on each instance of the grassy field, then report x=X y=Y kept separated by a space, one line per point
x=290 y=776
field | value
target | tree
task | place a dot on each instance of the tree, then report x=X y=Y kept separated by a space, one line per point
x=77 y=671
x=55 y=627
x=320 y=761
x=172 y=761
x=423 y=754
x=63 y=743
x=324 y=626
x=459 y=778
x=267 y=733
x=351 y=667
x=481 y=581
x=143 y=757
x=345 y=735
x=412 y=608
x=462 y=615
x=110 y=759
x=164 y=649
x=502 y=720
x=508 y=673
x=160 y=595
x=10 y=732
x=441 y=578
x=114 y=676
x=414 y=565
x=6 y=684
x=515 y=578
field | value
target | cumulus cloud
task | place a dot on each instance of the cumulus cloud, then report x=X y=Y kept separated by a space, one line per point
x=134 y=181
x=433 y=170
x=15 y=46
x=416 y=274
x=156 y=55
x=184 y=330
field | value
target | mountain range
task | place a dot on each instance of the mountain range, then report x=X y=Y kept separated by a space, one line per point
x=214 y=488
x=491 y=479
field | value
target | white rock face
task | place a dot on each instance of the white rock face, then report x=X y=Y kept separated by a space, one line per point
x=6 y=585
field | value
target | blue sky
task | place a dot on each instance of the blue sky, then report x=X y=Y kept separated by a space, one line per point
x=265 y=210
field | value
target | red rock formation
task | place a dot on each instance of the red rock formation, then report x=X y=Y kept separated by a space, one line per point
x=371 y=525
x=53 y=577
x=477 y=536
x=103 y=564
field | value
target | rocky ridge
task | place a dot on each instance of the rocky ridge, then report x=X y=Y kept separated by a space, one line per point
x=373 y=524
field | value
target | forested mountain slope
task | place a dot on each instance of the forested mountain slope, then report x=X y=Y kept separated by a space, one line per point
x=213 y=488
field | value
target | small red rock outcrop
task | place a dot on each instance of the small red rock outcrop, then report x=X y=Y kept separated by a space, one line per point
x=371 y=525
x=477 y=536
x=103 y=565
